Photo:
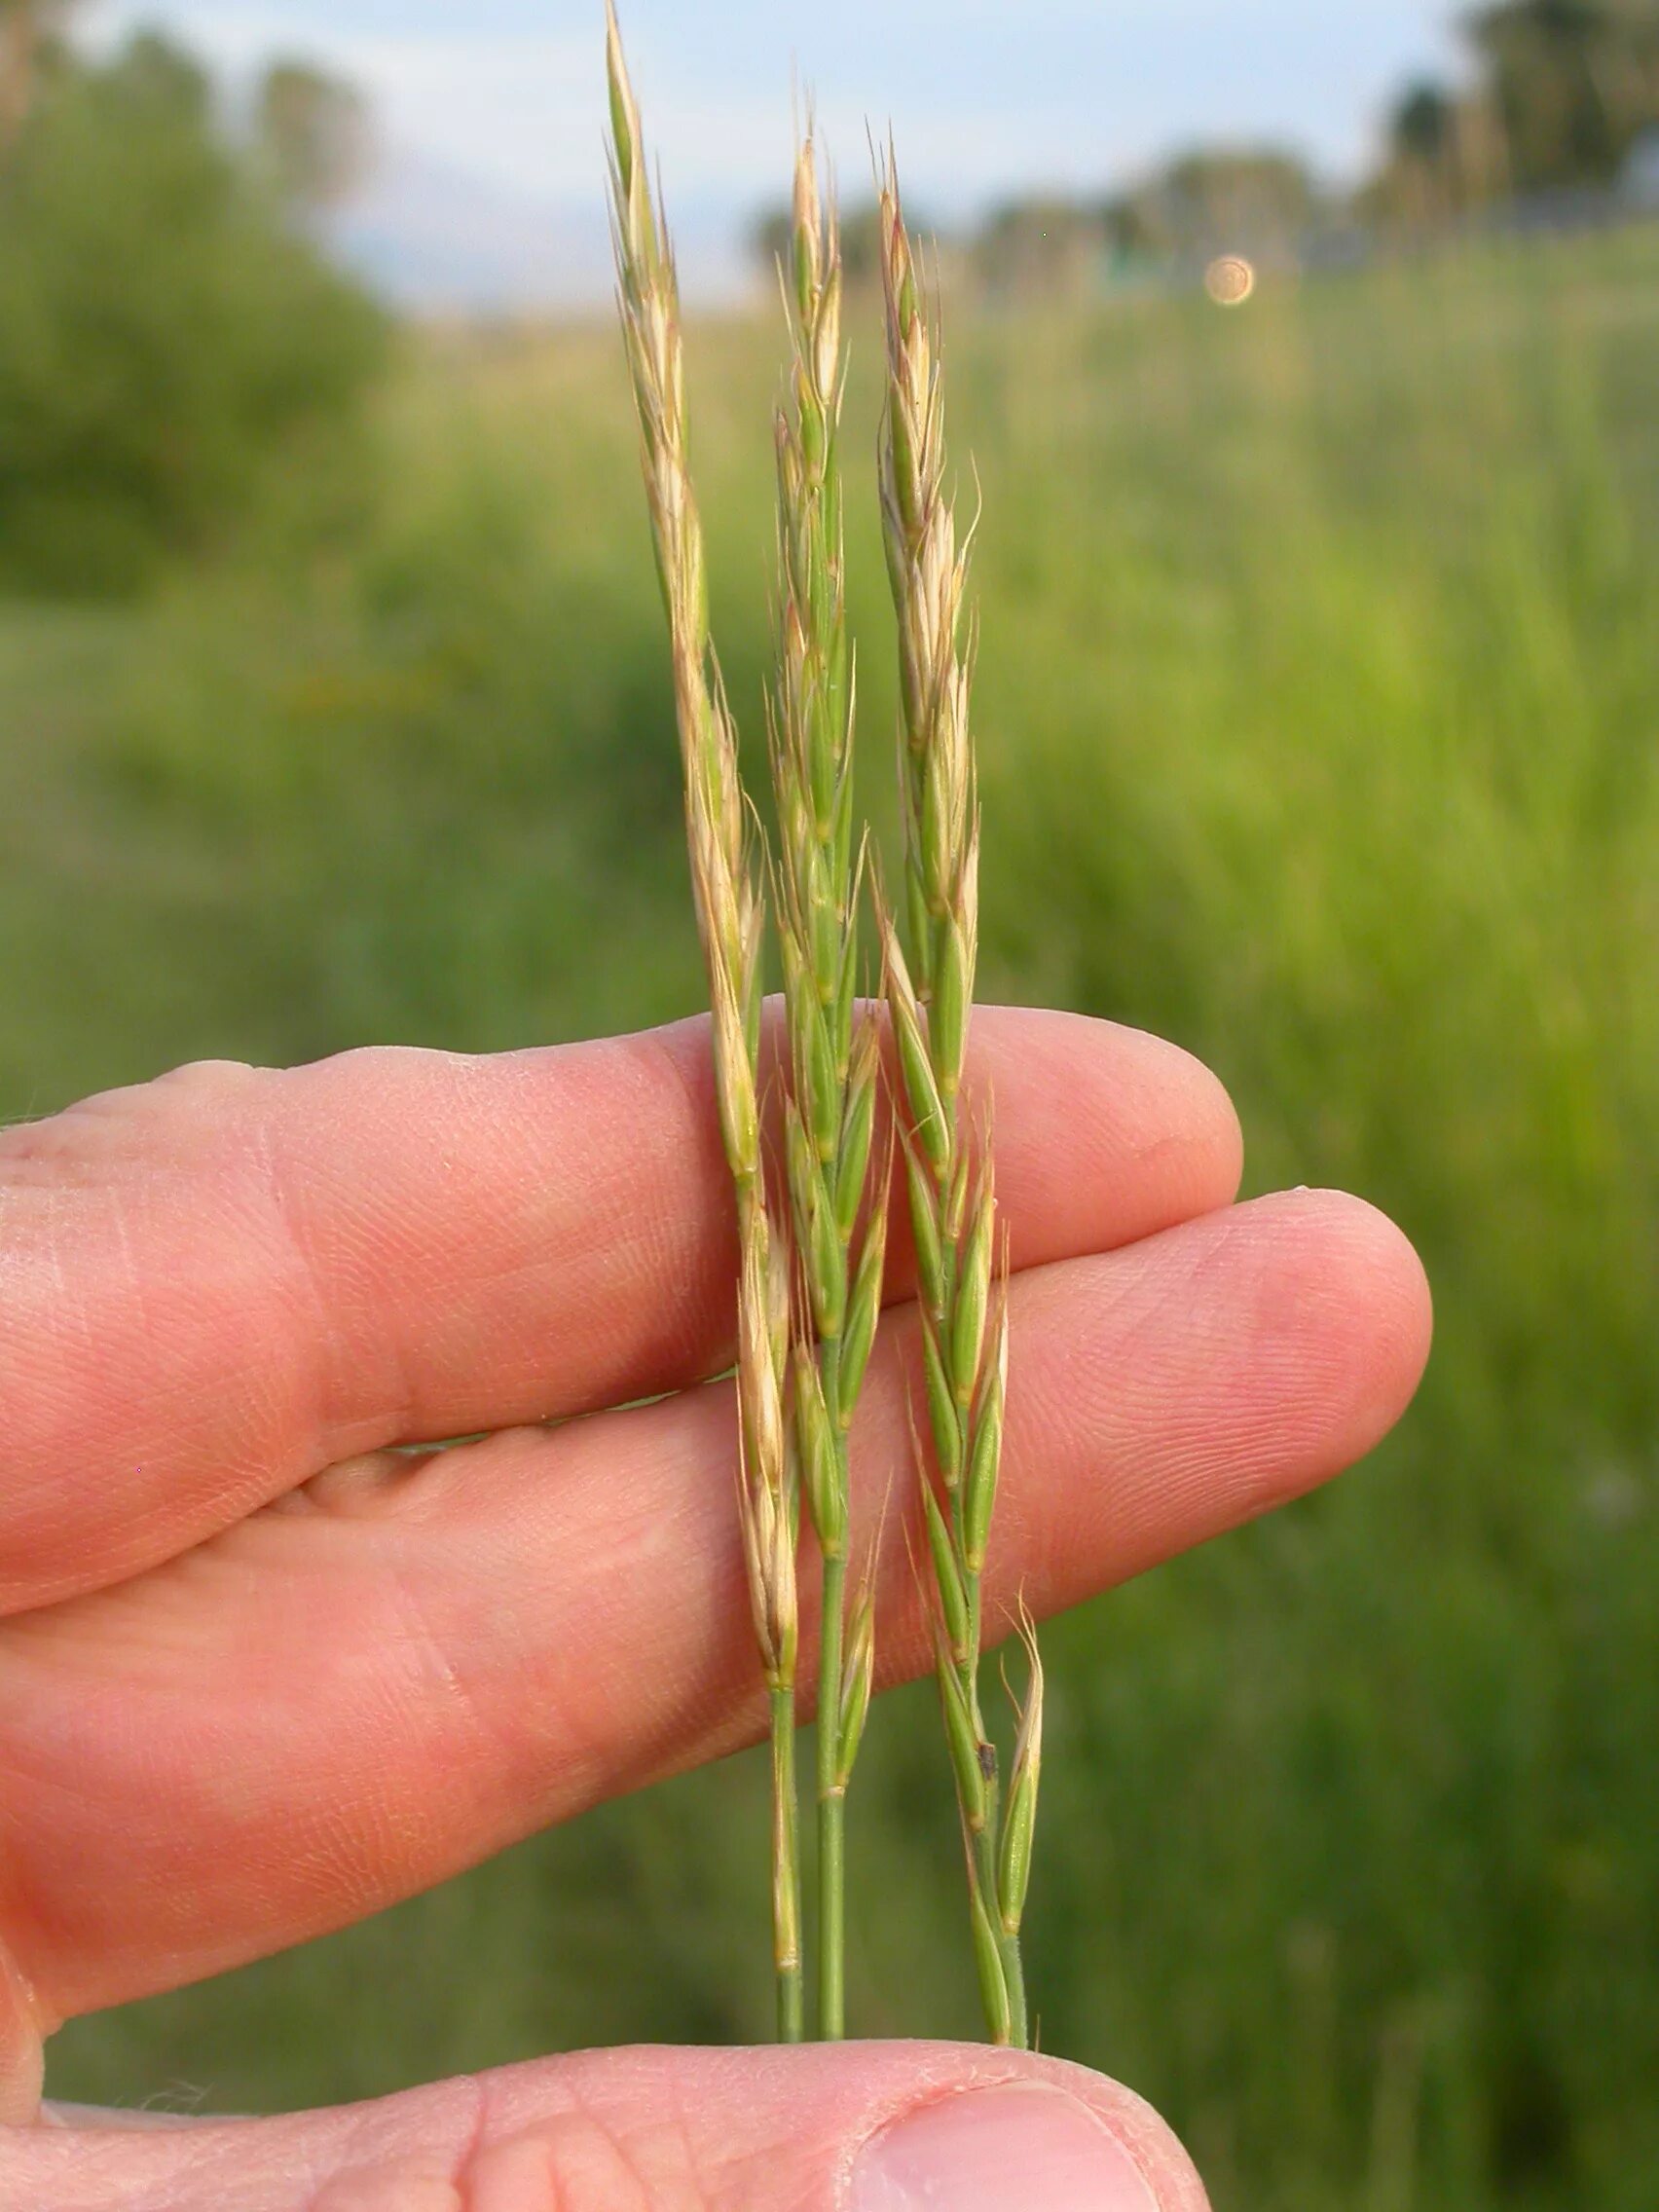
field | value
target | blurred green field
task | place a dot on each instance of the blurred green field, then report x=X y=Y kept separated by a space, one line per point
x=1320 y=719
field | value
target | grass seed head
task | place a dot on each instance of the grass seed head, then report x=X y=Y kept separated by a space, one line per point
x=929 y=987
x=730 y=926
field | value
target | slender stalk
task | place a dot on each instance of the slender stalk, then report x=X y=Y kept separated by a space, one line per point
x=832 y=1819
x=961 y=1259
x=730 y=923
x=786 y=1856
x=832 y=1787
x=831 y=1113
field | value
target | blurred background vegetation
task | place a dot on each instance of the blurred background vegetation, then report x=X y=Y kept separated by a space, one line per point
x=1319 y=711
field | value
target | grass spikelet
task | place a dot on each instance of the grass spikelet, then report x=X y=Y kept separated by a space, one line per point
x=1020 y=1817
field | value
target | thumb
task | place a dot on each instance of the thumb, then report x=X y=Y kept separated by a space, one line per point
x=854 y=2127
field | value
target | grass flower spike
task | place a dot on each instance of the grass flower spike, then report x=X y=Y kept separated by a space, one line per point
x=730 y=922
x=830 y=1113
x=809 y=1294
x=961 y=1261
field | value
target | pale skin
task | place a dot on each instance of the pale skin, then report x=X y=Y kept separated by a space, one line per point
x=260 y=1676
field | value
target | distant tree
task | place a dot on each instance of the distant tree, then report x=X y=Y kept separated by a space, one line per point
x=1627 y=71
x=1128 y=222
x=1574 y=82
x=155 y=85
x=1566 y=89
x=1245 y=195
x=1423 y=127
x=1444 y=156
x=1039 y=245
x=1250 y=200
x=165 y=341
x=314 y=133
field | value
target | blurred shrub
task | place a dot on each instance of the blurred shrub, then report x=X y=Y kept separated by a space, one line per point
x=167 y=342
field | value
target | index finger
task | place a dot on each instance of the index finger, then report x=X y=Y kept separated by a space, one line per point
x=219 y=1283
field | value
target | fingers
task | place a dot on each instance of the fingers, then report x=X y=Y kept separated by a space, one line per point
x=342 y=1701
x=221 y=1283
x=860 y=2127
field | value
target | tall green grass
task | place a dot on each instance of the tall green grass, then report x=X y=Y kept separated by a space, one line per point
x=1320 y=729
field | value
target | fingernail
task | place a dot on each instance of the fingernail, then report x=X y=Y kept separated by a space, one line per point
x=1007 y=2150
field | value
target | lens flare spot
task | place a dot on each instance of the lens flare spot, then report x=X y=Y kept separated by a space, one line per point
x=1230 y=279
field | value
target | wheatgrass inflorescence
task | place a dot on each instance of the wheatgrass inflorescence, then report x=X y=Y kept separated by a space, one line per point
x=810 y=1273
x=730 y=920
x=961 y=1257
x=835 y=1053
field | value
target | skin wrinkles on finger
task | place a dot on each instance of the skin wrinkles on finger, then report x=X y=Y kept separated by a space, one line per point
x=398 y=1247
x=586 y=1587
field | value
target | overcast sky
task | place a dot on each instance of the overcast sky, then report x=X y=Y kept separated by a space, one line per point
x=984 y=96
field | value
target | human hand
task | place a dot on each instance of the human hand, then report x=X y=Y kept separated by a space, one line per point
x=260 y=1675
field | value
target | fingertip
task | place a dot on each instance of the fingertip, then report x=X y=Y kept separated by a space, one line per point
x=1151 y=2142
x=1041 y=2131
x=1202 y=1377
x=1204 y=1130
x=1363 y=1280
